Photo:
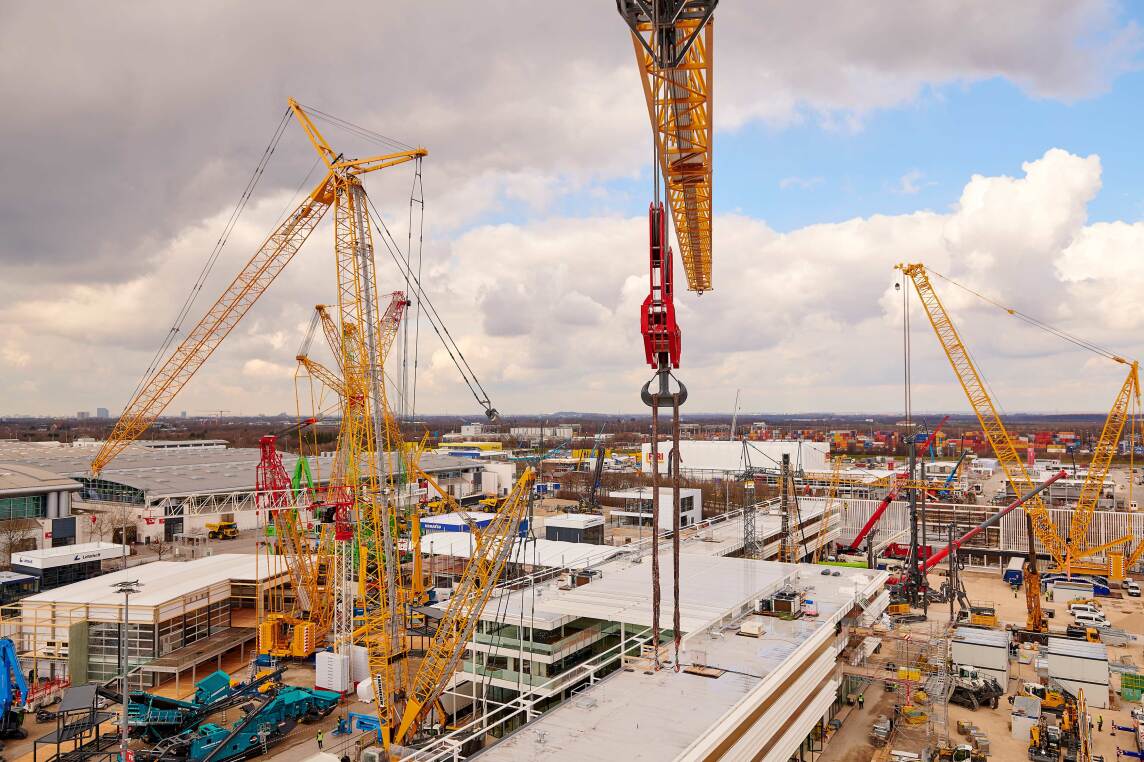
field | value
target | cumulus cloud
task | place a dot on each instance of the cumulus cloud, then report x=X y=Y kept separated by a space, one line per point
x=144 y=163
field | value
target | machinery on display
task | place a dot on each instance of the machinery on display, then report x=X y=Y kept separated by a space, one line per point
x=13 y=692
x=339 y=544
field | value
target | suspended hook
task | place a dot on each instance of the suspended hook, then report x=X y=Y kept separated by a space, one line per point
x=664 y=392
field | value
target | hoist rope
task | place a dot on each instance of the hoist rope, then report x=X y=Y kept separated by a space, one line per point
x=197 y=286
x=435 y=321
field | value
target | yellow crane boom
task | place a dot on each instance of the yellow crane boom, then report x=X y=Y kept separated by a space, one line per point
x=826 y=522
x=974 y=387
x=1102 y=455
x=157 y=391
x=672 y=41
x=166 y=382
x=490 y=556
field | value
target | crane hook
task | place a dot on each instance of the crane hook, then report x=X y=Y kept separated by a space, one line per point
x=664 y=393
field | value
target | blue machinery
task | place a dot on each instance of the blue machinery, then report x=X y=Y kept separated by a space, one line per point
x=180 y=731
x=13 y=692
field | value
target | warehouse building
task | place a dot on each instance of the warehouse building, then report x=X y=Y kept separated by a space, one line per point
x=167 y=488
x=722 y=458
x=36 y=506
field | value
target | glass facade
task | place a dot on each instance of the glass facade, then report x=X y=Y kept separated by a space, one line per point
x=146 y=642
x=24 y=507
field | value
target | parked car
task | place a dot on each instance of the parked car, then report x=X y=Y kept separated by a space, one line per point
x=1090 y=619
x=1132 y=588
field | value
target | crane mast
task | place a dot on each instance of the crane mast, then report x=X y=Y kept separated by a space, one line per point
x=974 y=387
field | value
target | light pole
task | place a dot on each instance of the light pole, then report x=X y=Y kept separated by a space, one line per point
x=127 y=587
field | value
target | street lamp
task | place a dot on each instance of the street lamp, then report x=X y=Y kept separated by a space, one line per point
x=127 y=587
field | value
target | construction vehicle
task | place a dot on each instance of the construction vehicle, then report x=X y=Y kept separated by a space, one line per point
x=1045 y=741
x=222 y=530
x=153 y=717
x=979 y=614
x=985 y=614
x=269 y=717
x=13 y=692
x=963 y=752
x=971 y=689
x=1052 y=698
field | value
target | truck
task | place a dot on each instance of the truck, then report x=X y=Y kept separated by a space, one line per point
x=1014 y=573
x=222 y=530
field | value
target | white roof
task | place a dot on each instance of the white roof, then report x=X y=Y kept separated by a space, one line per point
x=574 y=520
x=49 y=558
x=456 y=519
x=161 y=581
x=644 y=493
x=551 y=553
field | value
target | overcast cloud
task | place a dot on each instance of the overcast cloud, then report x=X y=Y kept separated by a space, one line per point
x=130 y=129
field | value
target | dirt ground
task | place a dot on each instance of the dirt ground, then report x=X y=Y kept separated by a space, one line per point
x=850 y=742
x=300 y=745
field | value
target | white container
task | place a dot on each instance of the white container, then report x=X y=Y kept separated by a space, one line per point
x=332 y=671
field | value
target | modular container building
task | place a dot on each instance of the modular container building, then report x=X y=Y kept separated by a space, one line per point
x=1078 y=666
x=987 y=650
x=575 y=528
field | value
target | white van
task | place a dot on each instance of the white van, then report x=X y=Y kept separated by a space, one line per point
x=1076 y=608
x=1090 y=619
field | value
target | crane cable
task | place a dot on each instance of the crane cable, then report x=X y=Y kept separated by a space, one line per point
x=468 y=375
x=212 y=258
x=1036 y=323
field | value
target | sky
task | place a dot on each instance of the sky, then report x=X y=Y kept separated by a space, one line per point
x=996 y=143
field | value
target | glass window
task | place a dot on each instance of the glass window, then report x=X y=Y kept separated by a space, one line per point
x=23 y=507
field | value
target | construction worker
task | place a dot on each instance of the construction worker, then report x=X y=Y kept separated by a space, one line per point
x=861 y=700
x=1099 y=723
x=1014 y=591
x=321 y=737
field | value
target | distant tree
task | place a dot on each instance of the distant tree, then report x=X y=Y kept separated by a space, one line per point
x=161 y=547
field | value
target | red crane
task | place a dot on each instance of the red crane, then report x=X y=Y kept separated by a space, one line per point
x=893 y=493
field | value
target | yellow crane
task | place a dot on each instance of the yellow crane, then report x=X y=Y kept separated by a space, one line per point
x=974 y=387
x=672 y=42
x=390 y=323
x=493 y=546
x=161 y=386
x=1125 y=406
x=1039 y=520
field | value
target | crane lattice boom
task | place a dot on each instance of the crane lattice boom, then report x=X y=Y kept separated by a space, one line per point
x=974 y=387
x=1101 y=462
x=494 y=544
x=672 y=40
x=158 y=391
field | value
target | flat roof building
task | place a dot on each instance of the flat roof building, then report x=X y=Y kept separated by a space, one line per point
x=185 y=615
